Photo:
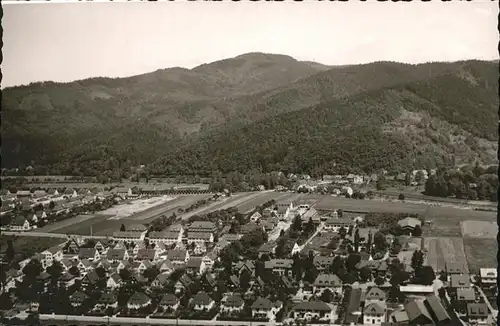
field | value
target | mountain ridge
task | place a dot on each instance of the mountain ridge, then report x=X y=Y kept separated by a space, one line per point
x=126 y=121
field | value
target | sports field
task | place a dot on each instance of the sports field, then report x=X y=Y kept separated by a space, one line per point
x=444 y=249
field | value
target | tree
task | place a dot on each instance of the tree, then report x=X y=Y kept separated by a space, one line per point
x=10 y=253
x=381 y=183
x=356 y=240
x=365 y=274
x=245 y=278
x=297 y=223
x=340 y=212
x=417 y=259
x=417 y=231
x=420 y=177
x=379 y=281
x=342 y=232
x=401 y=197
x=326 y=296
x=425 y=275
x=379 y=241
x=352 y=261
x=122 y=228
x=52 y=205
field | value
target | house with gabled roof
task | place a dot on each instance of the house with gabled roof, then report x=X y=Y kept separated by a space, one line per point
x=77 y=299
x=232 y=303
x=117 y=255
x=88 y=253
x=183 y=283
x=203 y=227
x=144 y=265
x=327 y=281
x=322 y=263
x=374 y=294
x=255 y=217
x=308 y=310
x=71 y=247
x=177 y=256
x=267 y=249
x=409 y=224
x=202 y=302
x=85 y=266
x=418 y=313
x=466 y=294
x=477 y=313
x=90 y=279
x=50 y=255
x=114 y=281
x=165 y=266
x=248 y=265
x=167 y=237
x=280 y=266
x=335 y=224
x=106 y=300
x=138 y=300
x=374 y=313
x=437 y=310
x=195 y=266
x=146 y=254
x=19 y=224
x=263 y=308
x=160 y=281
x=169 y=302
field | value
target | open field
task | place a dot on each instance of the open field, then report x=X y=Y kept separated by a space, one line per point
x=330 y=203
x=481 y=253
x=25 y=247
x=442 y=250
x=101 y=225
x=446 y=220
x=136 y=206
x=479 y=229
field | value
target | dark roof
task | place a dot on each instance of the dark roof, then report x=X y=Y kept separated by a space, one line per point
x=108 y=298
x=354 y=301
x=233 y=301
x=201 y=298
x=169 y=299
x=374 y=308
x=436 y=308
x=138 y=298
x=375 y=294
x=78 y=297
x=262 y=303
x=477 y=310
x=193 y=263
x=86 y=253
x=176 y=254
x=116 y=254
x=146 y=254
x=416 y=309
x=313 y=305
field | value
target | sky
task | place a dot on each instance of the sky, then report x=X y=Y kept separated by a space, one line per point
x=70 y=41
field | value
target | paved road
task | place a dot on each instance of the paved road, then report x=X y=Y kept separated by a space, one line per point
x=92 y=320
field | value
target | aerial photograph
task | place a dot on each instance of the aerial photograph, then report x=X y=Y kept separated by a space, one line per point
x=249 y=163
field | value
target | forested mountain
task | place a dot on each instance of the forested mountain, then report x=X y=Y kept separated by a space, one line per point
x=257 y=111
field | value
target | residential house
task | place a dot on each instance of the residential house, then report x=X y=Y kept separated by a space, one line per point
x=88 y=253
x=374 y=295
x=488 y=276
x=458 y=268
x=247 y=265
x=399 y=317
x=114 y=281
x=177 y=256
x=66 y=280
x=267 y=249
x=353 y=311
x=200 y=237
x=167 y=237
x=160 y=281
x=209 y=260
x=178 y=228
x=183 y=283
x=280 y=266
x=195 y=266
x=117 y=255
x=466 y=294
x=263 y=308
x=308 y=310
x=90 y=279
x=106 y=300
x=99 y=246
x=374 y=313
x=138 y=300
x=459 y=281
x=169 y=302
x=437 y=311
x=322 y=263
x=327 y=281
x=77 y=299
x=477 y=313
x=418 y=313
x=409 y=224
x=165 y=266
x=144 y=265
x=232 y=304
x=38 y=216
x=84 y=266
x=50 y=255
x=311 y=215
x=283 y=211
x=146 y=254
x=122 y=192
x=255 y=217
x=19 y=224
x=202 y=302
x=202 y=227
x=129 y=236
x=335 y=224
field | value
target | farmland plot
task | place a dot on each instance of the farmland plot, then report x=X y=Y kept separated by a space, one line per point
x=479 y=229
x=443 y=249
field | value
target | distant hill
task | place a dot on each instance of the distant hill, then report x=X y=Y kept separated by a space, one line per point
x=257 y=111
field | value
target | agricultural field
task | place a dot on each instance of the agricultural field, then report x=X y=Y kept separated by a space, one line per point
x=443 y=249
x=481 y=253
x=135 y=207
x=479 y=229
x=446 y=221
x=25 y=247
x=377 y=206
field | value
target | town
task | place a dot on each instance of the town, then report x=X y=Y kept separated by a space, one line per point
x=289 y=256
